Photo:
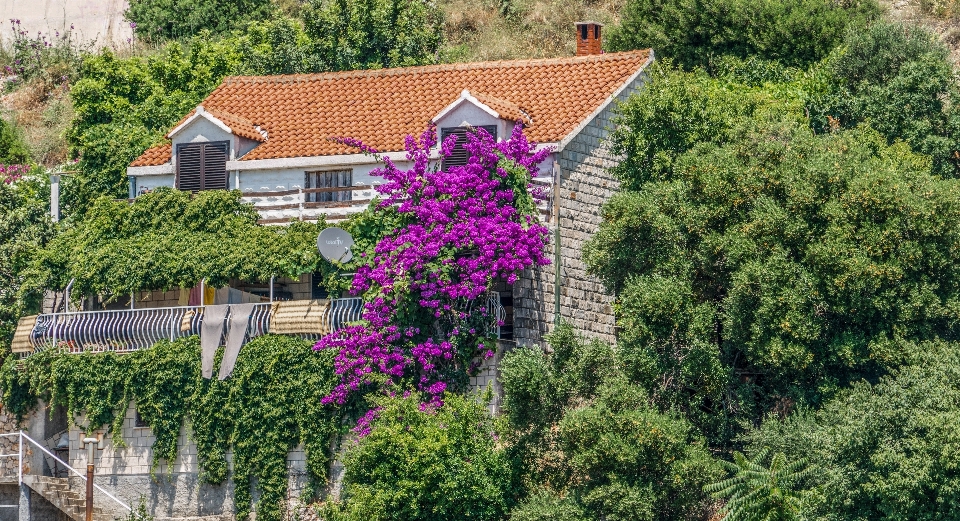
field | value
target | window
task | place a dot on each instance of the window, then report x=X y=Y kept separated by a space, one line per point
x=202 y=166
x=329 y=179
x=459 y=156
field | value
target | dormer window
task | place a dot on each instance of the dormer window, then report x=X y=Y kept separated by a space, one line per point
x=460 y=156
x=202 y=166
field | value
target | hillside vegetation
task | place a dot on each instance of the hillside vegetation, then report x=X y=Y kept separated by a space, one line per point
x=784 y=247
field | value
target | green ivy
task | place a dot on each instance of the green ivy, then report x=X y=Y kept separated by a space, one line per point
x=268 y=406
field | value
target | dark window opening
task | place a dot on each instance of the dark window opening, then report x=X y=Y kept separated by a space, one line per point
x=459 y=156
x=505 y=292
x=583 y=32
x=54 y=423
x=138 y=421
x=327 y=180
x=202 y=166
x=596 y=32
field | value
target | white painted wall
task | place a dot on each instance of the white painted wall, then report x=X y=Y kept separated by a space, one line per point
x=98 y=20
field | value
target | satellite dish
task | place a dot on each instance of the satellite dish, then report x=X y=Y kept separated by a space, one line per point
x=334 y=244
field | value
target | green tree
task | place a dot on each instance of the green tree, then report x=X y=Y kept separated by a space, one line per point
x=425 y=463
x=696 y=32
x=898 y=78
x=159 y=20
x=371 y=34
x=759 y=492
x=593 y=440
x=768 y=264
x=886 y=450
x=123 y=106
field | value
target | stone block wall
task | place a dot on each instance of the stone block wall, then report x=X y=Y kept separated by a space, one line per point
x=585 y=184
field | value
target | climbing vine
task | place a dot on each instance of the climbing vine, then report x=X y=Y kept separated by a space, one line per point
x=167 y=239
x=461 y=228
x=269 y=405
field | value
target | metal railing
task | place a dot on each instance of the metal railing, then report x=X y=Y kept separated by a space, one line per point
x=127 y=330
x=297 y=204
x=22 y=436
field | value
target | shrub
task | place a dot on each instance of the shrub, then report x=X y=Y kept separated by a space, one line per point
x=900 y=80
x=425 y=463
x=885 y=450
x=590 y=445
x=159 y=20
x=695 y=32
x=371 y=34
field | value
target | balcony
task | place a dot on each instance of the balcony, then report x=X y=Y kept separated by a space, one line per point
x=128 y=330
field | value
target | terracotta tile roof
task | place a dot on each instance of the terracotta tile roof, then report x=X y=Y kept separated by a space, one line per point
x=507 y=110
x=302 y=114
x=154 y=156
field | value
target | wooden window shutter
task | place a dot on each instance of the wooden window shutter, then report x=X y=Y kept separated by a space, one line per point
x=202 y=166
x=460 y=156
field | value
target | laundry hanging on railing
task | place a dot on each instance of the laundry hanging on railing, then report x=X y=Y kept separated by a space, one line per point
x=300 y=317
x=237 y=328
x=211 y=331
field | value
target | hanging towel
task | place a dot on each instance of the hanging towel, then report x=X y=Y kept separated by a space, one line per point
x=21 y=338
x=209 y=295
x=236 y=332
x=211 y=330
x=300 y=317
x=184 y=298
x=196 y=297
x=222 y=296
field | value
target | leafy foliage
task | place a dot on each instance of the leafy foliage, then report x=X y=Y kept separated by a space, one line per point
x=758 y=492
x=123 y=106
x=884 y=450
x=899 y=79
x=158 y=20
x=772 y=264
x=168 y=239
x=582 y=430
x=269 y=405
x=24 y=229
x=371 y=34
x=696 y=32
x=426 y=463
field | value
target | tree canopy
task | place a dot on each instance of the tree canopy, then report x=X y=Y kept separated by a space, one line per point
x=757 y=262
x=159 y=20
x=697 y=32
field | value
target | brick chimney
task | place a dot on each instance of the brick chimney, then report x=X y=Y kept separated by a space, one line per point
x=588 y=38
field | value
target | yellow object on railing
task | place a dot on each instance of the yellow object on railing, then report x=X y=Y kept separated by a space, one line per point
x=21 y=339
x=300 y=317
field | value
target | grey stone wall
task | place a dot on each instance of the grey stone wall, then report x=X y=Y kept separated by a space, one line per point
x=585 y=184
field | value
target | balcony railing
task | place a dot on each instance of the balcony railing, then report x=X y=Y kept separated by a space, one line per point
x=128 y=330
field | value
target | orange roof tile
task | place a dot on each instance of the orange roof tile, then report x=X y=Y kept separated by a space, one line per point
x=304 y=114
x=154 y=156
x=507 y=110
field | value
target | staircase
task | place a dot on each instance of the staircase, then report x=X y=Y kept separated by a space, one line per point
x=70 y=501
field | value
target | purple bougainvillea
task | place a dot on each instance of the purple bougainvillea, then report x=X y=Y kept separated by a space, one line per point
x=426 y=283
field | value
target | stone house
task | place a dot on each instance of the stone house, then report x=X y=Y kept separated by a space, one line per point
x=275 y=139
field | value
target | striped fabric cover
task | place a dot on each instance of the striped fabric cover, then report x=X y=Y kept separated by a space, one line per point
x=300 y=317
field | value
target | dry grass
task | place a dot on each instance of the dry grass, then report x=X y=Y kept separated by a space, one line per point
x=478 y=30
x=42 y=114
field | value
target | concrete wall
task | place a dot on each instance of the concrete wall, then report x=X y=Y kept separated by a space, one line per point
x=585 y=184
x=98 y=20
